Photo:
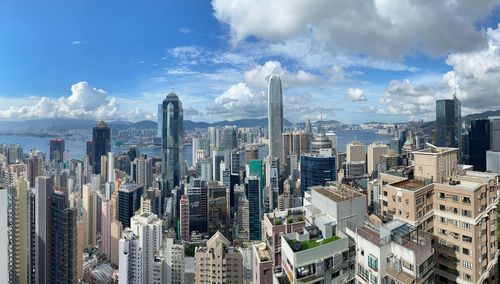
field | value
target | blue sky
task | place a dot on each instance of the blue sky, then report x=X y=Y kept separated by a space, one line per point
x=353 y=61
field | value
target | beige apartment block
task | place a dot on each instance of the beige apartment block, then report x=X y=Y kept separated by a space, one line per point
x=375 y=152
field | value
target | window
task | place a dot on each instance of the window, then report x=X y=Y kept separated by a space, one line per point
x=419 y=200
x=372 y=262
x=442 y=208
x=466 y=200
x=466 y=213
x=442 y=195
x=466 y=251
x=466 y=226
x=385 y=193
x=467 y=264
x=466 y=239
x=454 y=198
x=407 y=265
x=442 y=219
x=373 y=278
x=467 y=277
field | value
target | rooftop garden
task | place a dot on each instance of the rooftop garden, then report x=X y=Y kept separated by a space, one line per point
x=304 y=245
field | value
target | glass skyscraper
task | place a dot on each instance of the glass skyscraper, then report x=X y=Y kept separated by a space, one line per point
x=275 y=118
x=101 y=141
x=254 y=207
x=172 y=140
x=479 y=143
x=448 y=123
x=316 y=170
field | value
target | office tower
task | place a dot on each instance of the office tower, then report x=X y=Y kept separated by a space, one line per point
x=129 y=201
x=218 y=209
x=111 y=167
x=217 y=159
x=101 y=144
x=236 y=161
x=388 y=161
x=271 y=173
x=43 y=225
x=479 y=141
x=212 y=139
x=218 y=262
x=106 y=219
x=325 y=242
x=63 y=250
x=116 y=234
x=493 y=155
x=57 y=150
x=332 y=137
x=79 y=248
x=130 y=252
x=35 y=166
x=229 y=139
x=254 y=207
x=356 y=151
x=18 y=231
x=401 y=249
x=184 y=218
x=160 y=120
x=448 y=123
x=89 y=206
x=262 y=263
x=12 y=172
x=275 y=117
x=316 y=170
x=172 y=140
x=147 y=227
x=375 y=151
x=201 y=148
x=198 y=206
x=173 y=255
x=321 y=142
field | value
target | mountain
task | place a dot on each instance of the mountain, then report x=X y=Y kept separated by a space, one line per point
x=485 y=114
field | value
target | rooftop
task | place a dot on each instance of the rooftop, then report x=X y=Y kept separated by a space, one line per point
x=410 y=184
x=263 y=252
x=337 y=193
x=431 y=150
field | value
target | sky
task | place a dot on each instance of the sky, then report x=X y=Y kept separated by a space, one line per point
x=349 y=60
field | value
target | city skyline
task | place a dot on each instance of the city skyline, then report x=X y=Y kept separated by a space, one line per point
x=208 y=45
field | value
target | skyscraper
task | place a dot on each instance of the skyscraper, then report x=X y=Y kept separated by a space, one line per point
x=129 y=201
x=316 y=170
x=275 y=117
x=57 y=150
x=89 y=203
x=43 y=218
x=130 y=258
x=160 y=120
x=479 y=141
x=448 y=123
x=172 y=140
x=254 y=207
x=101 y=141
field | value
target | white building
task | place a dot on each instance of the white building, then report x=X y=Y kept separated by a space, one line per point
x=173 y=262
x=130 y=258
x=147 y=227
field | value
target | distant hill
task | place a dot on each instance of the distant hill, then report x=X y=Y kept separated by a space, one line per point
x=485 y=114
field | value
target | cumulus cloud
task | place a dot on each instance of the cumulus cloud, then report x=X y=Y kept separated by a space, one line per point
x=84 y=102
x=259 y=75
x=239 y=101
x=356 y=95
x=378 y=28
x=475 y=75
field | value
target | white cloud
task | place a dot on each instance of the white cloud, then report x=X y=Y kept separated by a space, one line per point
x=260 y=74
x=356 y=95
x=76 y=42
x=239 y=101
x=84 y=102
x=378 y=28
x=185 y=30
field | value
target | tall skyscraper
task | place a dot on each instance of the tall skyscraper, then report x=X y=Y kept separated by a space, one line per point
x=254 y=207
x=316 y=170
x=43 y=225
x=130 y=258
x=479 y=143
x=160 y=120
x=57 y=150
x=89 y=205
x=63 y=250
x=275 y=117
x=375 y=152
x=448 y=123
x=129 y=201
x=19 y=231
x=172 y=140
x=101 y=141
x=356 y=152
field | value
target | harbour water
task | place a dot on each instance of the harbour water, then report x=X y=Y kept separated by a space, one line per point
x=77 y=148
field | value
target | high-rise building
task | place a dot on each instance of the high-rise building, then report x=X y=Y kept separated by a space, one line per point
x=35 y=166
x=106 y=219
x=143 y=171
x=448 y=123
x=229 y=138
x=262 y=264
x=218 y=208
x=493 y=155
x=101 y=141
x=254 y=207
x=375 y=151
x=57 y=150
x=356 y=152
x=129 y=201
x=5 y=264
x=275 y=117
x=198 y=203
x=172 y=140
x=218 y=262
x=63 y=249
x=320 y=142
x=333 y=137
x=479 y=143
x=89 y=205
x=316 y=170
x=184 y=218
x=173 y=255
x=147 y=227
x=130 y=252
x=160 y=120
x=43 y=225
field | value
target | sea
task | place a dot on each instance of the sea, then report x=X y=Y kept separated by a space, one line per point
x=77 y=148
